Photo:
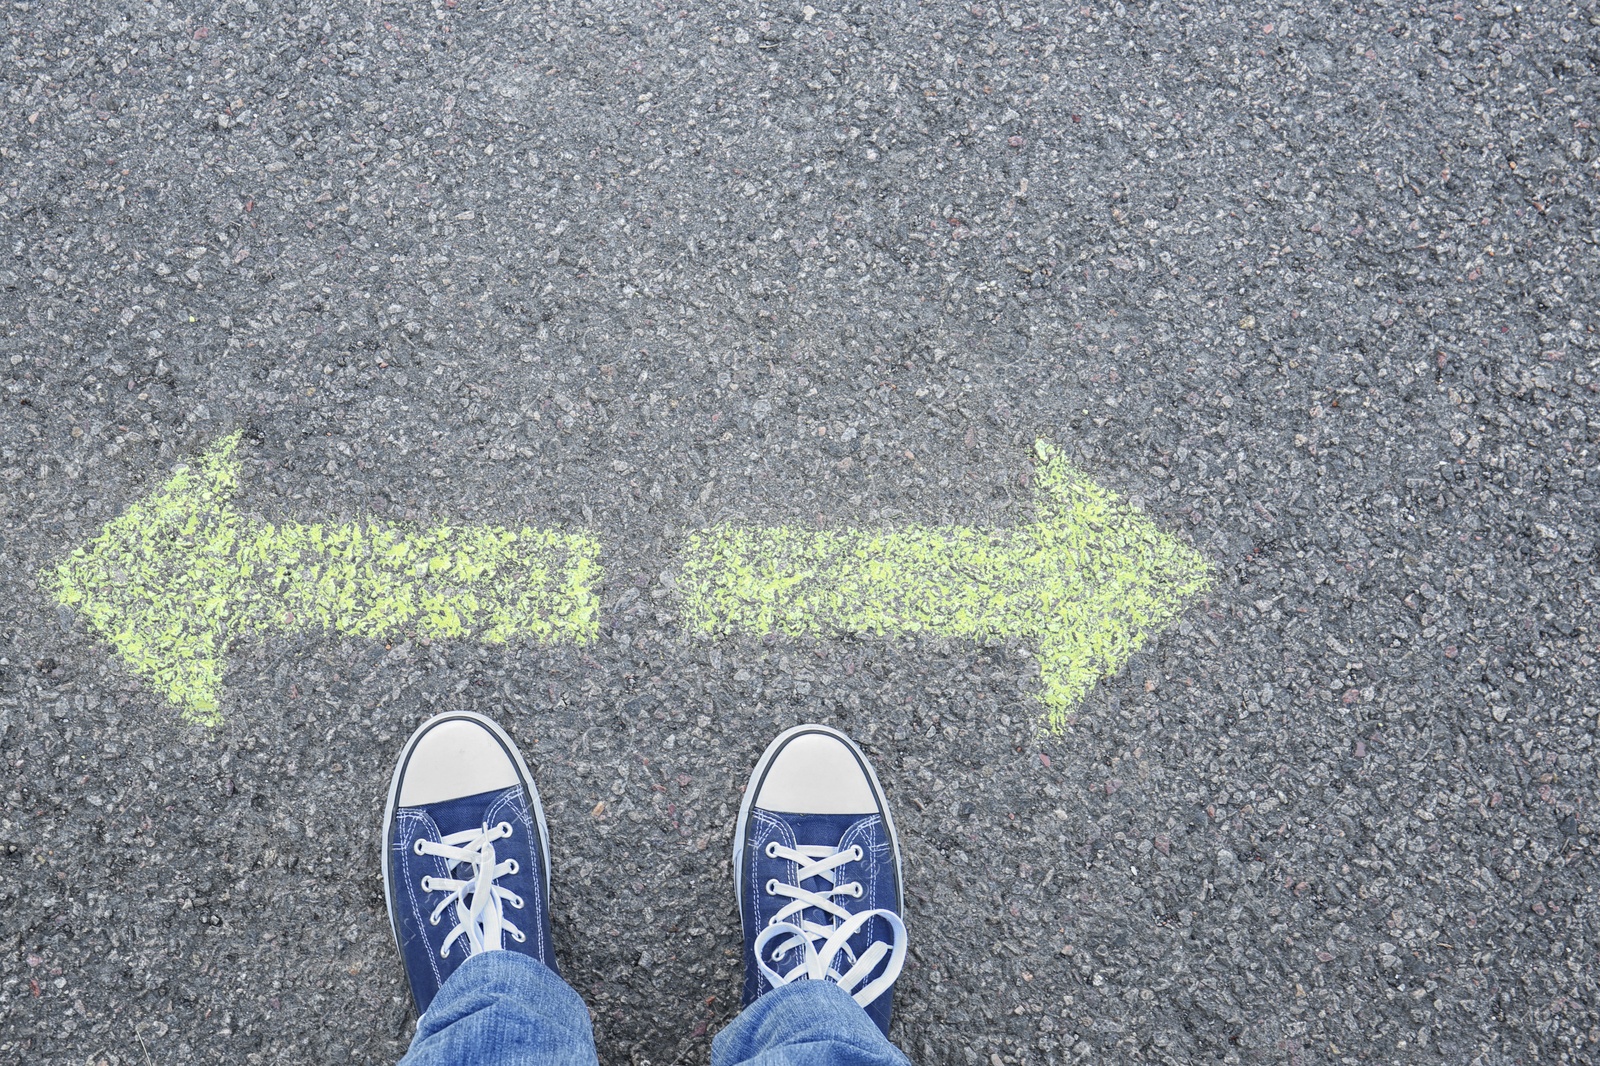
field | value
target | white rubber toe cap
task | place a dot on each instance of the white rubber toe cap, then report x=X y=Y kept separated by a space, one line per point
x=458 y=757
x=815 y=773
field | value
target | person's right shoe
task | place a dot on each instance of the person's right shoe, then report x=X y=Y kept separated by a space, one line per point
x=817 y=872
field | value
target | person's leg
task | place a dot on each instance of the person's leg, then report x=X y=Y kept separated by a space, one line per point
x=466 y=872
x=806 y=1023
x=816 y=867
x=505 y=1008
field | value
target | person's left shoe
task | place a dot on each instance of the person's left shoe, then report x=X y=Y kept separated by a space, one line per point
x=466 y=856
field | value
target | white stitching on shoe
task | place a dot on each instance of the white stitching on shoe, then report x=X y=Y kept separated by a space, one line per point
x=403 y=821
x=766 y=826
x=516 y=804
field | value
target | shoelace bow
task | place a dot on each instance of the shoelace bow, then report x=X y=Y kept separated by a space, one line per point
x=478 y=901
x=823 y=943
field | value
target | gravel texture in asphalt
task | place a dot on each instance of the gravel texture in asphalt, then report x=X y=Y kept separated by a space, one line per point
x=1313 y=285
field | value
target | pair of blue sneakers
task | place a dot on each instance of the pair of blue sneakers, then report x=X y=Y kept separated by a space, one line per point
x=816 y=864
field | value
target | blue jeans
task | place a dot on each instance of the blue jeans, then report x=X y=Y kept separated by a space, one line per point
x=503 y=1008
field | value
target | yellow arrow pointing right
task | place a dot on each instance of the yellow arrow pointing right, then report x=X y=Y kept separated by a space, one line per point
x=1089 y=581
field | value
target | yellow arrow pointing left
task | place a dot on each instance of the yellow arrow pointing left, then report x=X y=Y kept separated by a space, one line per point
x=171 y=582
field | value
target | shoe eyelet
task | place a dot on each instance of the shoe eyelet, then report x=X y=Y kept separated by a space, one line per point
x=772 y=849
x=859 y=854
x=444 y=953
x=504 y=829
x=772 y=886
x=519 y=936
x=417 y=847
x=856 y=890
x=433 y=919
x=516 y=902
x=513 y=867
x=427 y=884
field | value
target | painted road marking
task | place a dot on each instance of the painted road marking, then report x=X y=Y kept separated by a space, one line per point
x=1089 y=580
x=172 y=581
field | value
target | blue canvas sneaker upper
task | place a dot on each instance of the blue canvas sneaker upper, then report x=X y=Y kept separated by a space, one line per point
x=819 y=893
x=465 y=874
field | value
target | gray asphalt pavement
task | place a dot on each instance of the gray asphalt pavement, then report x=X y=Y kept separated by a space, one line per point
x=1315 y=286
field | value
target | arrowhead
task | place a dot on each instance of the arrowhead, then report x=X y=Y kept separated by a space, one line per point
x=158 y=582
x=1117 y=579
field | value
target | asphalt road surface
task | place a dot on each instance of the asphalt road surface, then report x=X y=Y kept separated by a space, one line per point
x=1313 y=286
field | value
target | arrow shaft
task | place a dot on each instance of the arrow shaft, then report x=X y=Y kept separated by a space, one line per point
x=373 y=579
x=949 y=581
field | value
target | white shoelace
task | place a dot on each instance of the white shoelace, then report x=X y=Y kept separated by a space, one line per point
x=822 y=944
x=478 y=900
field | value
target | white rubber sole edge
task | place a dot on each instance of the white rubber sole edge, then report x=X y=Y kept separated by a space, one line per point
x=394 y=792
x=749 y=800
